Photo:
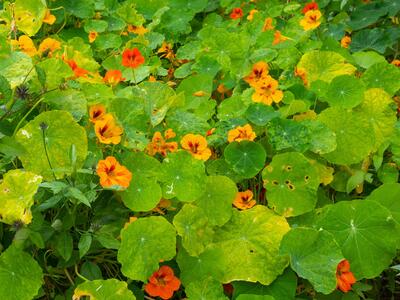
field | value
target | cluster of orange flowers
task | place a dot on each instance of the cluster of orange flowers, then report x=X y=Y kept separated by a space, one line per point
x=312 y=16
x=241 y=133
x=160 y=145
x=266 y=87
x=105 y=126
x=46 y=47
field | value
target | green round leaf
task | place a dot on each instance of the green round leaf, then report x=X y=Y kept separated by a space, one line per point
x=61 y=134
x=191 y=223
x=216 y=201
x=16 y=68
x=206 y=289
x=20 y=275
x=314 y=255
x=345 y=91
x=110 y=289
x=183 y=177
x=383 y=75
x=366 y=233
x=16 y=196
x=246 y=158
x=388 y=195
x=324 y=65
x=144 y=243
x=260 y=114
x=291 y=183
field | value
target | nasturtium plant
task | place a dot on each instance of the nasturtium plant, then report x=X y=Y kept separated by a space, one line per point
x=291 y=182
x=177 y=149
x=56 y=144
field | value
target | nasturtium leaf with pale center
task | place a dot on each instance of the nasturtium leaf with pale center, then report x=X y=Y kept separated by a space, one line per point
x=110 y=289
x=383 y=75
x=380 y=115
x=20 y=275
x=216 y=200
x=354 y=135
x=208 y=288
x=191 y=223
x=345 y=91
x=16 y=196
x=144 y=243
x=249 y=246
x=324 y=65
x=365 y=231
x=60 y=134
x=29 y=15
x=245 y=157
x=15 y=67
x=314 y=255
x=182 y=176
x=291 y=182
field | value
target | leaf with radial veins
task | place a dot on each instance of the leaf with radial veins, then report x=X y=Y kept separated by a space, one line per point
x=110 y=289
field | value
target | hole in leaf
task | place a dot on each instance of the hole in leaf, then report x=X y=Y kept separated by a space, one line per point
x=291 y=187
x=275 y=182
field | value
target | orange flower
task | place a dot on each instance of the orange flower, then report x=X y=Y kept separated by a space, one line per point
x=236 y=13
x=301 y=72
x=49 y=18
x=344 y=277
x=139 y=30
x=250 y=17
x=268 y=24
x=96 y=112
x=92 y=36
x=244 y=200
x=258 y=73
x=196 y=145
x=166 y=51
x=278 y=38
x=345 y=41
x=111 y=173
x=267 y=92
x=113 y=77
x=79 y=72
x=240 y=133
x=158 y=143
x=25 y=44
x=311 y=20
x=163 y=283
x=107 y=131
x=48 y=46
x=310 y=6
x=132 y=58
x=210 y=131
x=396 y=62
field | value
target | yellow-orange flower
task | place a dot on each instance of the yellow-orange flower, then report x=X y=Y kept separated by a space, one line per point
x=111 y=173
x=267 y=92
x=301 y=72
x=160 y=145
x=268 y=24
x=166 y=51
x=107 y=131
x=345 y=41
x=197 y=145
x=244 y=200
x=48 y=46
x=92 y=36
x=49 y=18
x=113 y=77
x=278 y=38
x=257 y=74
x=250 y=17
x=139 y=30
x=311 y=20
x=396 y=62
x=241 y=133
x=25 y=44
x=96 y=112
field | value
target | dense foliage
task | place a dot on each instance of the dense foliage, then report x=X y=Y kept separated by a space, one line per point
x=205 y=149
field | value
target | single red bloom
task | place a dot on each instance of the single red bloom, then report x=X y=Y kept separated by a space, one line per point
x=132 y=58
x=113 y=77
x=310 y=6
x=236 y=13
x=344 y=277
x=163 y=283
x=79 y=72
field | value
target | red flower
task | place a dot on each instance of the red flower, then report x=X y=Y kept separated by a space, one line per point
x=344 y=277
x=310 y=6
x=132 y=58
x=163 y=283
x=79 y=72
x=236 y=13
x=113 y=77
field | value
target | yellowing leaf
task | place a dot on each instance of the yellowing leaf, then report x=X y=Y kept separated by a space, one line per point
x=29 y=15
